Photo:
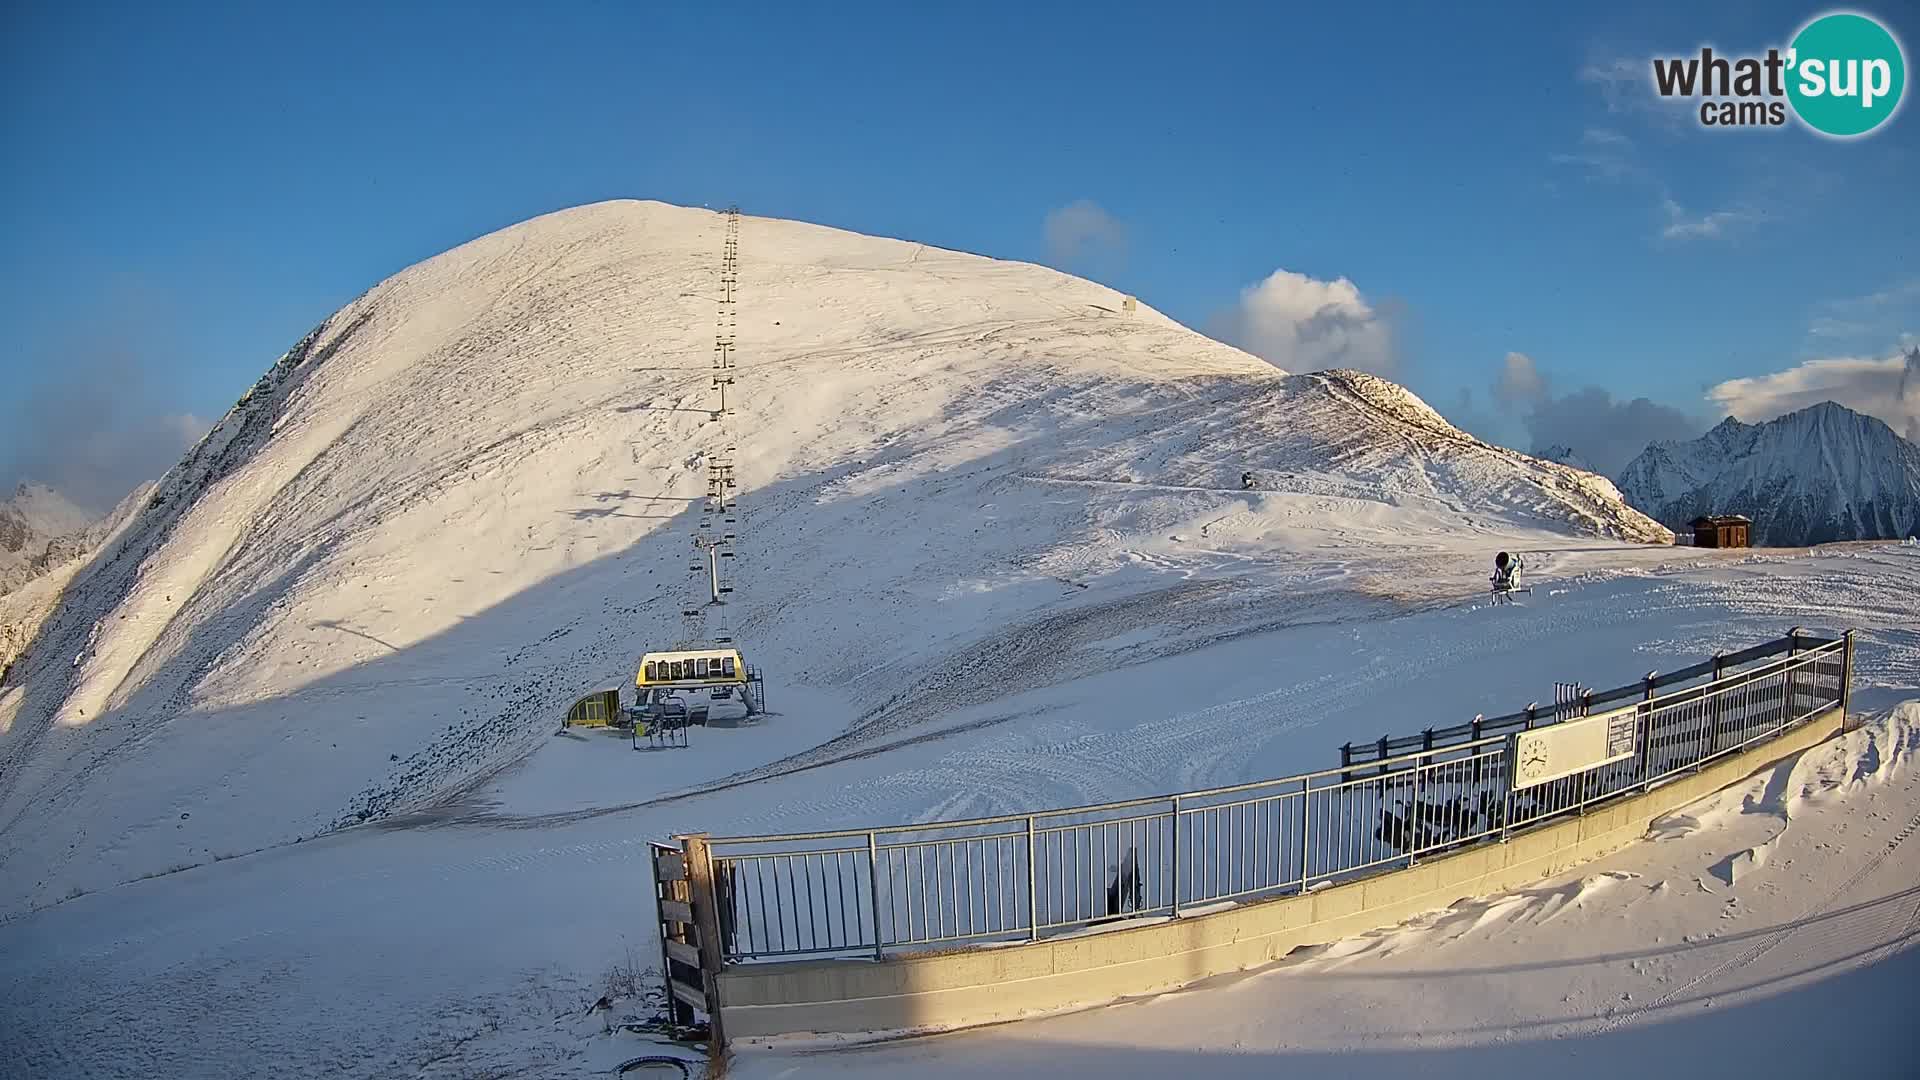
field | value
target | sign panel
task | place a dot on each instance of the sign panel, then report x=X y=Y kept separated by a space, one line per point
x=1574 y=746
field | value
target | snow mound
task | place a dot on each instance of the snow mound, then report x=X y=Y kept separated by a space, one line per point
x=467 y=497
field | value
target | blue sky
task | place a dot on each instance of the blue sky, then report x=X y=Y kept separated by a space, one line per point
x=188 y=191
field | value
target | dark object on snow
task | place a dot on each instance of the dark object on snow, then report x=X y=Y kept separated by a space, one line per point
x=1721 y=531
x=1247 y=481
x=1506 y=577
x=1126 y=892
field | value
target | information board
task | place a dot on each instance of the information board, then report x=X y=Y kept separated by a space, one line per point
x=1574 y=746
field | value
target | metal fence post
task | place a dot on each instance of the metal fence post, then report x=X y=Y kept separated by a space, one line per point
x=1791 y=705
x=1033 y=905
x=1413 y=813
x=1506 y=804
x=1713 y=709
x=1306 y=830
x=873 y=889
x=1176 y=856
x=1846 y=680
x=1646 y=748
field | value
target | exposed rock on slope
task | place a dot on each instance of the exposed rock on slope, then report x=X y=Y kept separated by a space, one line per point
x=1821 y=474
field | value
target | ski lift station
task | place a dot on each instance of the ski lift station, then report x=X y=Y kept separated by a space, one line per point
x=715 y=685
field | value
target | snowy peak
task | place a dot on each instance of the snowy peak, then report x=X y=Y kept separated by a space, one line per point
x=1564 y=455
x=44 y=510
x=39 y=528
x=1820 y=474
x=472 y=491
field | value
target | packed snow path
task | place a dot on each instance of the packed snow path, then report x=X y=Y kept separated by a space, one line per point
x=455 y=950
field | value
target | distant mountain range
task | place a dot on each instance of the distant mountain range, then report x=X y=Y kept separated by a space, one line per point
x=1821 y=474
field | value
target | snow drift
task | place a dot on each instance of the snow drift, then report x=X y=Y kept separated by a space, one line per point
x=467 y=496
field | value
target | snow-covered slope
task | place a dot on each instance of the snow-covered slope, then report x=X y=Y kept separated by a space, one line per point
x=24 y=608
x=36 y=524
x=468 y=496
x=1823 y=473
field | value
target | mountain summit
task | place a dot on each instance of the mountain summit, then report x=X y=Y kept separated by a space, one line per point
x=1823 y=473
x=469 y=496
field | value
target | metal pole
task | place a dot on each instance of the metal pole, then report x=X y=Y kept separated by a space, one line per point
x=1646 y=744
x=1509 y=749
x=1306 y=831
x=1846 y=678
x=1788 y=708
x=873 y=889
x=1033 y=906
x=1713 y=709
x=1176 y=856
x=1413 y=814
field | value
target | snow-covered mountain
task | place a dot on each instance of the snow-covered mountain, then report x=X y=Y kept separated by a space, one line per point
x=35 y=517
x=1820 y=474
x=468 y=496
x=1565 y=455
x=30 y=588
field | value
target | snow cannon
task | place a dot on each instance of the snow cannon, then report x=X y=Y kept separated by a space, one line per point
x=1506 y=578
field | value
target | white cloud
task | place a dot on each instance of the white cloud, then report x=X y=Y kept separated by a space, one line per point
x=1607 y=155
x=186 y=427
x=1604 y=431
x=1864 y=324
x=1626 y=86
x=1887 y=387
x=1301 y=323
x=1684 y=226
x=1083 y=230
x=1826 y=326
x=1520 y=381
x=1898 y=295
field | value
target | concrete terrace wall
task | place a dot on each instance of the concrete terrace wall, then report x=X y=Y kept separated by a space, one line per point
x=984 y=985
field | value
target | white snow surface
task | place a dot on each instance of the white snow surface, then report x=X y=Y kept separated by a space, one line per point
x=467 y=497
x=470 y=943
x=996 y=557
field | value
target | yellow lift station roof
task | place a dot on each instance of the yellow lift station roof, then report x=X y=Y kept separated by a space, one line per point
x=691 y=667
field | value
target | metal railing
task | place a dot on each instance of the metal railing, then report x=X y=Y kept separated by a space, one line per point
x=1027 y=876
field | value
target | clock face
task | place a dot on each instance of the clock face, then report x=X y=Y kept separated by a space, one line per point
x=1533 y=758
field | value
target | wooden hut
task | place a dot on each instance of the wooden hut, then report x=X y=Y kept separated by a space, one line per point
x=1721 y=531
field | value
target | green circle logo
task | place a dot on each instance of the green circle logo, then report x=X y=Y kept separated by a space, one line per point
x=1846 y=74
